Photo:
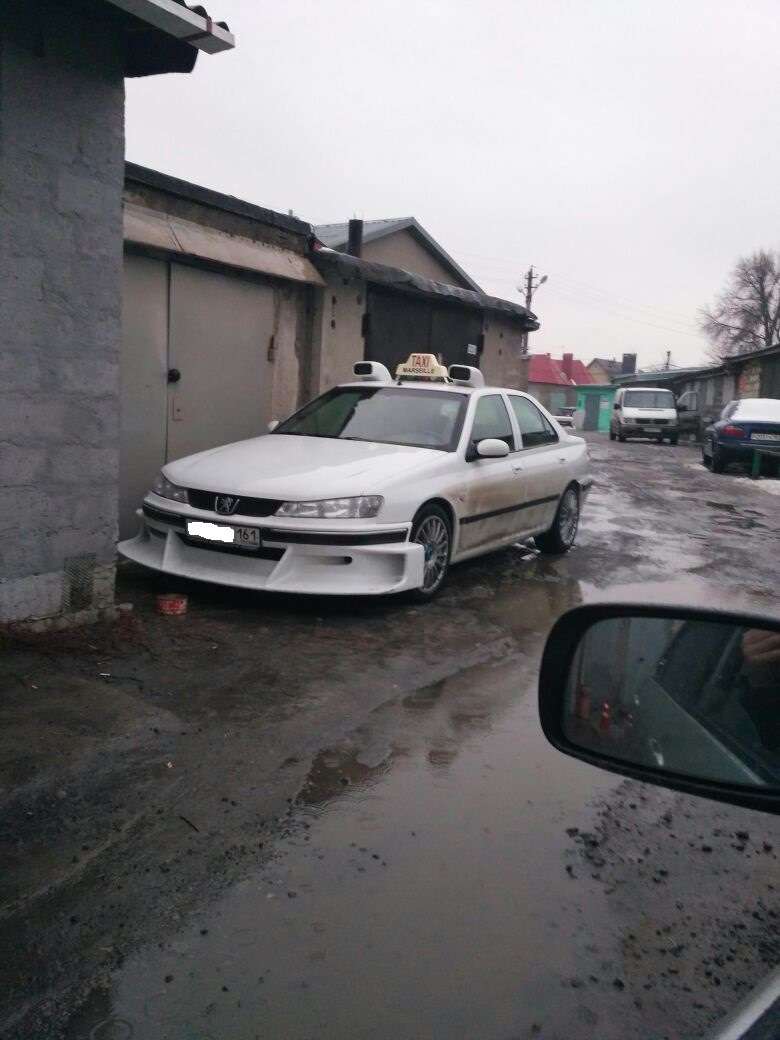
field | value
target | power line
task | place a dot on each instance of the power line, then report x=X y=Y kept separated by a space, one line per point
x=631 y=302
x=567 y=298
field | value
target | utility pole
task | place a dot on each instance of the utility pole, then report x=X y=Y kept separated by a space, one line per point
x=531 y=285
x=668 y=364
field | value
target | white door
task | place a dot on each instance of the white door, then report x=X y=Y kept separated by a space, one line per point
x=494 y=487
x=545 y=475
x=221 y=328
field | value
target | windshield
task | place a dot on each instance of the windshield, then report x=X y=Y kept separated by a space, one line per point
x=649 y=399
x=388 y=415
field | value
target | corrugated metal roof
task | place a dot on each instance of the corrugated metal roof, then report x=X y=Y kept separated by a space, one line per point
x=545 y=369
x=335 y=236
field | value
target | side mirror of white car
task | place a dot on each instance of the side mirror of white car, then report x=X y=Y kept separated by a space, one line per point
x=272 y=425
x=492 y=448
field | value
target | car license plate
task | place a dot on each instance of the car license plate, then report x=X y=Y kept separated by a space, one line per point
x=765 y=436
x=246 y=537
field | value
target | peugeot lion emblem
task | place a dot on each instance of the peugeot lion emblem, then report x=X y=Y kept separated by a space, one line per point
x=225 y=504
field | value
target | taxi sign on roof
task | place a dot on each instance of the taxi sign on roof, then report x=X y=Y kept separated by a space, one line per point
x=422 y=366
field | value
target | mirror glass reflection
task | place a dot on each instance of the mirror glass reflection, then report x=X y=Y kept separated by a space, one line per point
x=696 y=698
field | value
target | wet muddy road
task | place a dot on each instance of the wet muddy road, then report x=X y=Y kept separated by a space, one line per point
x=310 y=819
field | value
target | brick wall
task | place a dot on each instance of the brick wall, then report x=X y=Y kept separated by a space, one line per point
x=61 y=174
x=749 y=381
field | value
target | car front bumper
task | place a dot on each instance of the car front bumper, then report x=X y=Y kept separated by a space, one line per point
x=648 y=430
x=300 y=558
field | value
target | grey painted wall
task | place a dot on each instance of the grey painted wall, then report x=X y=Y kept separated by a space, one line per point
x=61 y=175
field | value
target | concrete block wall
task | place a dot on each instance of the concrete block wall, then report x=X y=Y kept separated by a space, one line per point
x=502 y=362
x=61 y=176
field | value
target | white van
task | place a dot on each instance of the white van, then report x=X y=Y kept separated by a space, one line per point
x=647 y=411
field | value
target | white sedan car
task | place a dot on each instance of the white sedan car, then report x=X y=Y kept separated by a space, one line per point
x=375 y=487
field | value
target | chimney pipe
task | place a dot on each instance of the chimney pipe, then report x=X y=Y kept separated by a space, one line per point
x=629 y=364
x=566 y=365
x=355 y=238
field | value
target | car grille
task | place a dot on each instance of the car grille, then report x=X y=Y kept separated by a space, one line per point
x=654 y=422
x=245 y=506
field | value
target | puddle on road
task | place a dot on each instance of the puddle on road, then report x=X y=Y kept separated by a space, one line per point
x=422 y=891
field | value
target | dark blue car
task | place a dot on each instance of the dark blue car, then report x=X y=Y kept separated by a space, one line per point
x=745 y=425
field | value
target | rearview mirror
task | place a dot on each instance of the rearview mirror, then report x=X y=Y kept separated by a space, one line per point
x=689 y=699
x=492 y=448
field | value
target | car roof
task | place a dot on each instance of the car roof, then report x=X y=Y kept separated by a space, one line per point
x=758 y=408
x=652 y=389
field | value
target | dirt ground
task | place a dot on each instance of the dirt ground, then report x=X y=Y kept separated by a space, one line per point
x=151 y=768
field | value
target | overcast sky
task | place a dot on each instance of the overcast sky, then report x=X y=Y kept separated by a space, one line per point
x=629 y=150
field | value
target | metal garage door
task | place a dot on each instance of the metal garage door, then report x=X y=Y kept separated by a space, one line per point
x=144 y=365
x=398 y=325
x=220 y=331
x=215 y=329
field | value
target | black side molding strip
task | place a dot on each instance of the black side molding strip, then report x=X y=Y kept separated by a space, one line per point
x=508 y=509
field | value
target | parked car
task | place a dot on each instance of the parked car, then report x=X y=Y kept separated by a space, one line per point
x=564 y=416
x=375 y=487
x=743 y=426
x=646 y=412
x=687 y=699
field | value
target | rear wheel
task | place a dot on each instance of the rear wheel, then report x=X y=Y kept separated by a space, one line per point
x=560 y=537
x=717 y=461
x=431 y=529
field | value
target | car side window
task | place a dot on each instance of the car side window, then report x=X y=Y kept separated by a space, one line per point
x=534 y=427
x=491 y=419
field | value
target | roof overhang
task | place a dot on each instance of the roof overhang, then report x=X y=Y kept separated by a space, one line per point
x=162 y=233
x=181 y=22
x=328 y=261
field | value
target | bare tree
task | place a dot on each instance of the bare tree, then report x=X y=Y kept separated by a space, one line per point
x=746 y=314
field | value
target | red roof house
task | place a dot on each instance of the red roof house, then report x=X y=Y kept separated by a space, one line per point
x=554 y=382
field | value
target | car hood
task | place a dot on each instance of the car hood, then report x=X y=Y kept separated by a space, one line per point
x=283 y=466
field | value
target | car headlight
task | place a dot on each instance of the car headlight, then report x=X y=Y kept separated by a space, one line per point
x=334 y=508
x=165 y=489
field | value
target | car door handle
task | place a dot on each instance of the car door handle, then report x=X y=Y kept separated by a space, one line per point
x=561 y=458
x=517 y=467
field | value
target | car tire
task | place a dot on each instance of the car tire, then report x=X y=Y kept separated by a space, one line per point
x=717 y=461
x=622 y=438
x=560 y=537
x=706 y=460
x=431 y=527
x=673 y=440
x=611 y=434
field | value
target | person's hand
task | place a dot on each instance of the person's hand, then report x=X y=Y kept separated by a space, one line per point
x=761 y=651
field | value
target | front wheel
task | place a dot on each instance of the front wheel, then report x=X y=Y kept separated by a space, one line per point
x=431 y=529
x=560 y=537
x=673 y=439
x=611 y=434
